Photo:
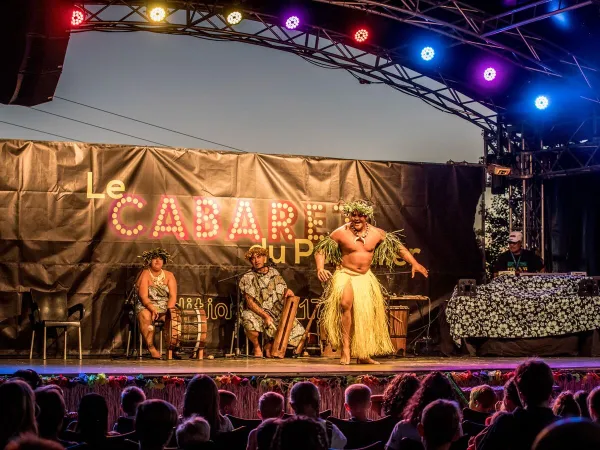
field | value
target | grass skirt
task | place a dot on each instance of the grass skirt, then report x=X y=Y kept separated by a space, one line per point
x=370 y=334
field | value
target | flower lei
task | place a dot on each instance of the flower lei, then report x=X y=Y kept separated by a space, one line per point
x=462 y=379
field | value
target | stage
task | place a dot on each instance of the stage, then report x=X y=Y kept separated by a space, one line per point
x=289 y=367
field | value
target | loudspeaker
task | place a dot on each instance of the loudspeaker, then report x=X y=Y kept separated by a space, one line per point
x=589 y=287
x=467 y=288
x=499 y=184
x=35 y=34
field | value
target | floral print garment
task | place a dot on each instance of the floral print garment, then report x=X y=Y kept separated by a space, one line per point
x=523 y=307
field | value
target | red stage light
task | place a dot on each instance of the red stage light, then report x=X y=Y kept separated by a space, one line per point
x=77 y=17
x=361 y=35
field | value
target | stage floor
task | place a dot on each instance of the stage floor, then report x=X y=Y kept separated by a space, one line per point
x=285 y=367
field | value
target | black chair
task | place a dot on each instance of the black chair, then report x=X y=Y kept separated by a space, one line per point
x=232 y=440
x=49 y=310
x=238 y=422
x=363 y=434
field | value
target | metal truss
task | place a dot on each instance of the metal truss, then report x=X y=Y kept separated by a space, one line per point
x=320 y=46
x=503 y=35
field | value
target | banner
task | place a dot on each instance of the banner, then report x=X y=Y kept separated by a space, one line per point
x=76 y=216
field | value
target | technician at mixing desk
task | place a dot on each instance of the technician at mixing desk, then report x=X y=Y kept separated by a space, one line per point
x=516 y=258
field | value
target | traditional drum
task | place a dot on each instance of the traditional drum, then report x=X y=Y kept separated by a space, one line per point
x=186 y=331
x=286 y=323
x=398 y=326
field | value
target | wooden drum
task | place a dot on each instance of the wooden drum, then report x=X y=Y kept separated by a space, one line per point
x=398 y=326
x=186 y=331
x=286 y=323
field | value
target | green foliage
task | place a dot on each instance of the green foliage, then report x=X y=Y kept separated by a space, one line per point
x=497 y=226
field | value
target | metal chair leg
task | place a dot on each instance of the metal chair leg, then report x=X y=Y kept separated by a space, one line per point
x=128 y=342
x=160 y=343
x=65 y=351
x=140 y=353
x=44 y=343
x=32 y=341
x=79 y=334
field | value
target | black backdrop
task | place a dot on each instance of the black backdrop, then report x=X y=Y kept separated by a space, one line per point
x=573 y=214
x=60 y=227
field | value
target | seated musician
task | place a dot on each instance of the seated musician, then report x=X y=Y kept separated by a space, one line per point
x=157 y=292
x=516 y=258
x=265 y=292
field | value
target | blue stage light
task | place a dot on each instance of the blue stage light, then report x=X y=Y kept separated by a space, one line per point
x=427 y=53
x=542 y=102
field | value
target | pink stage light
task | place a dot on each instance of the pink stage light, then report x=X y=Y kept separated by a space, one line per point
x=77 y=17
x=292 y=22
x=361 y=35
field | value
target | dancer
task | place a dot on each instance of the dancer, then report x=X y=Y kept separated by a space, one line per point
x=354 y=308
x=157 y=292
x=265 y=292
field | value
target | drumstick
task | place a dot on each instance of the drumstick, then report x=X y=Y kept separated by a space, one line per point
x=300 y=347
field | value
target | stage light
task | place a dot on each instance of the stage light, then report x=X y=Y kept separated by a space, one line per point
x=157 y=14
x=542 y=102
x=427 y=53
x=292 y=22
x=361 y=35
x=77 y=17
x=489 y=74
x=234 y=17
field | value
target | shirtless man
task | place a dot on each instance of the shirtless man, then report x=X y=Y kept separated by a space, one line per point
x=157 y=292
x=353 y=296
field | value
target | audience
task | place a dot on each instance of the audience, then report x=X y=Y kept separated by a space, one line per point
x=154 y=423
x=192 y=433
x=265 y=433
x=565 y=405
x=482 y=403
x=202 y=399
x=581 y=399
x=593 y=404
x=440 y=425
x=18 y=410
x=227 y=403
x=572 y=433
x=51 y=413
x=270 y=406
x=524 y=419
x=398 y=393
x=300 y=433
x=510 y=399
x=92 y=422
x=358 y=402
x=32 y=442
x=131 y=397
x=305 y=400
x=434 y=386
x=29 y=376
x=517 y=430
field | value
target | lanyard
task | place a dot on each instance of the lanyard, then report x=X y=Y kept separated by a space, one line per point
x=516 y=261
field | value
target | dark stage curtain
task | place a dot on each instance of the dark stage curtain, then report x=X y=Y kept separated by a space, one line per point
x=573 y=215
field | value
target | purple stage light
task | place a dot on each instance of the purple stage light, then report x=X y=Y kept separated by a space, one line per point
x=489 y=74
x=292 y=22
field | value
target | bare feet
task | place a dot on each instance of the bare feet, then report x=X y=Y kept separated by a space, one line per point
x=258 y=352
x=345 y=357
x=368 y=361
x=153 y=352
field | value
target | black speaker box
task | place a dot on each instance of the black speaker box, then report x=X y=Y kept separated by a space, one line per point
x=35 y=35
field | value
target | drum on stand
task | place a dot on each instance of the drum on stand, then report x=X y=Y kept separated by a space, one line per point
x=398 y=326
x=186 y=331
